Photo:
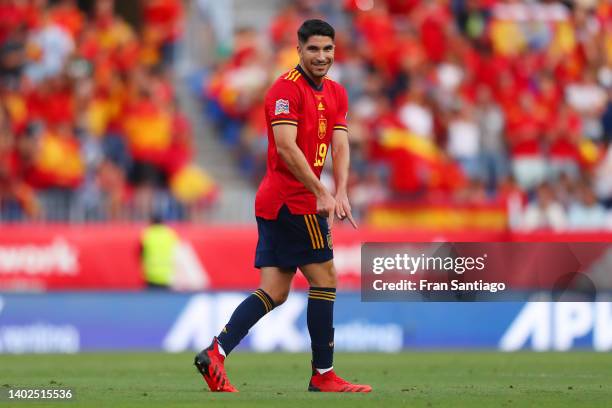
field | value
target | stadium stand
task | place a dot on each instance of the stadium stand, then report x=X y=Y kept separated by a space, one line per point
x=464 y=114
x=477 y=105
x=90 y=127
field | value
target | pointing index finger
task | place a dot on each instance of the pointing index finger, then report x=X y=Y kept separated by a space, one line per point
x=351 y=220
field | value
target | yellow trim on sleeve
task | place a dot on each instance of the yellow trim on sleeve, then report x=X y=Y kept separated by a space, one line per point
x=283 y=122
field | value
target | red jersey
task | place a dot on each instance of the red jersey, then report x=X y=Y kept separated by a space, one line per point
x=295 y=100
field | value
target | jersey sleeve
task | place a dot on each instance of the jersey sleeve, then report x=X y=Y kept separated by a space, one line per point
x=342 y=111
x=283 y=103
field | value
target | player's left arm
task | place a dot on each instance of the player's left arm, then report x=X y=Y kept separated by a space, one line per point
x=341 y=162
x=341 y=158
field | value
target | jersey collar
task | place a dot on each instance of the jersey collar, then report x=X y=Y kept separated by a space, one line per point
x=307 y=78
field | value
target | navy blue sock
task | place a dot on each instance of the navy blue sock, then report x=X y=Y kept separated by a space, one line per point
x=244 y=317
x=320 y=320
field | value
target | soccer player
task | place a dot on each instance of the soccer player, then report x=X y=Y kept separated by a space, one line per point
x=306 y=114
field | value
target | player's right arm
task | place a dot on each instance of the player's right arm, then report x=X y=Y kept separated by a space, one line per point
x=285 y=137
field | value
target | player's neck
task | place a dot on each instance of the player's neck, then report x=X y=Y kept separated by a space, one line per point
x=317 y=81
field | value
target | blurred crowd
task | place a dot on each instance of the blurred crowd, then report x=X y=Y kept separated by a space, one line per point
x=464 y=102
x=90 y=127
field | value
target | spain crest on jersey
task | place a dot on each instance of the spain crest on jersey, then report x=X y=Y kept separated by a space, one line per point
x=322 y=127
x=282 y=107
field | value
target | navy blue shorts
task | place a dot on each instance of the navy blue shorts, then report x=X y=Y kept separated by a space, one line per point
x=292 y=240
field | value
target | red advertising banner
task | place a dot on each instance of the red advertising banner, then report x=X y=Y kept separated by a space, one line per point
x=69 y=257
x=106 y=257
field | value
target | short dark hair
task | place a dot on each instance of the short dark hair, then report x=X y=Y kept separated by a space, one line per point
x=315 y=27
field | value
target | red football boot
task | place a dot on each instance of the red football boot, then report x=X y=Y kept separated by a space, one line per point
x=330 y=382
x=209 y=363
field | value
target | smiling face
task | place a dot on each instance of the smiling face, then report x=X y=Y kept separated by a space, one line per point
x=316 y=56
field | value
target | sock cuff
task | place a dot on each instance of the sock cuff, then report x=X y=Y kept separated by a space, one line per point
x=265 y=299
x=323 y=289
x=328 y=294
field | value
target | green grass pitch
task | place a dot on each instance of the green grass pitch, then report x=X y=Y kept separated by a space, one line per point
x=428 y=379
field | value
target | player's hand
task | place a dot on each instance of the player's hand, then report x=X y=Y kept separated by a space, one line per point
x=326 y=205
x=343 y=208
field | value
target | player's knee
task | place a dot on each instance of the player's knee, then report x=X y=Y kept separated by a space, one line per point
x=324 y=279
x=279 y=297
